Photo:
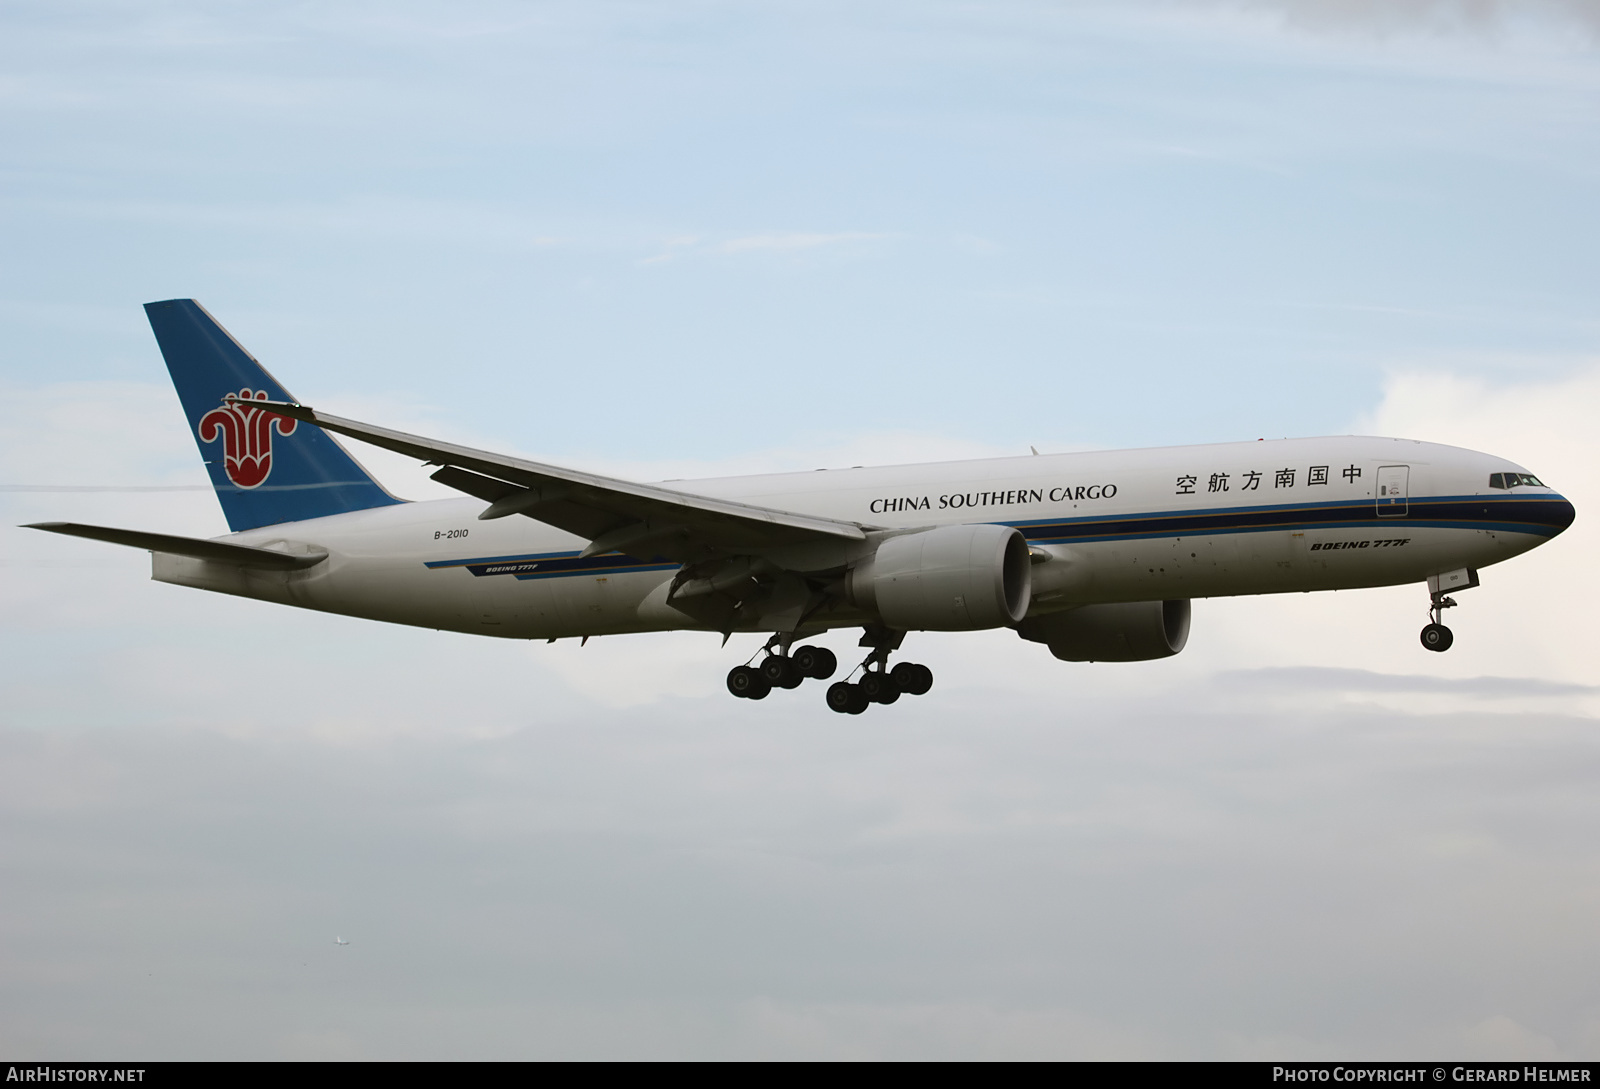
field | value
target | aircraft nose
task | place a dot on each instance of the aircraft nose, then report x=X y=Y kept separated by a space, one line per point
x=1561 y=513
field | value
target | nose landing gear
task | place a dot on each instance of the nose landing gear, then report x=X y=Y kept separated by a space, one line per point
x=1435 y=636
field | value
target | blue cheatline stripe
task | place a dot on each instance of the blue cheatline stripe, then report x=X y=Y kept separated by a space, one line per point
x=620 y=569
x=430 y=564
x=1544 y=516
x=1362 y=508
x=544 y=565
x=1399 y=525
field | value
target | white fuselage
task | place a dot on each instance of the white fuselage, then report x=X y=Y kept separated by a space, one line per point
x=1115 y=526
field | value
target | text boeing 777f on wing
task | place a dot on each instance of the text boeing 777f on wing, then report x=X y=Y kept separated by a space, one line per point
x=1096 y=555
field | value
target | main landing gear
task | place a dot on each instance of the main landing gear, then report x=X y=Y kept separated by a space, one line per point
x=780 y=669
x=880 y=685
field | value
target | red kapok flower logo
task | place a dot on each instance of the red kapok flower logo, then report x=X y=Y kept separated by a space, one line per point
x=246 y=434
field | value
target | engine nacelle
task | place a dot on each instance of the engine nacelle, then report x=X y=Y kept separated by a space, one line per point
x=954 y=578
x=1133 y=632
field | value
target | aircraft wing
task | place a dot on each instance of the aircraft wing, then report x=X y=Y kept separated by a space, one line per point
x=217 y=551
x=614 y=515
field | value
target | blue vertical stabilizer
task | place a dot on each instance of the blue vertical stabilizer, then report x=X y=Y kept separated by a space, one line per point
x=266 y=468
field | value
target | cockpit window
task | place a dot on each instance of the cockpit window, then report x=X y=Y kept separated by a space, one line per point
x=1513 y=480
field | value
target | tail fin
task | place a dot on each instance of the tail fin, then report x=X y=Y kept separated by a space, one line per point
x=266 y=468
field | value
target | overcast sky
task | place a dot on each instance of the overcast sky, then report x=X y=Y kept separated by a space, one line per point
x=667 y=239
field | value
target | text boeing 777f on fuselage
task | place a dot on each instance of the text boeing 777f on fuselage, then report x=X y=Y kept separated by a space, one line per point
x=1096 y=555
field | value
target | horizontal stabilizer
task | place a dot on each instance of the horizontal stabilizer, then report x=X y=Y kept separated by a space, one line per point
x=195 y=547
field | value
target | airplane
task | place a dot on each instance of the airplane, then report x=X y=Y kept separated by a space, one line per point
x=340 y=941
x=1094 y=555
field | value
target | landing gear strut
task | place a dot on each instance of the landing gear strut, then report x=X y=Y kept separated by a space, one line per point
x=781 y=669
x=1436 y=636
x=880 y=684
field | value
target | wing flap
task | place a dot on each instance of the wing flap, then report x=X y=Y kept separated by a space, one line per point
x=588 y=504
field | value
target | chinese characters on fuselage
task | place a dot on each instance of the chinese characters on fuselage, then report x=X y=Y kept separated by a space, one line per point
x=1188 y=483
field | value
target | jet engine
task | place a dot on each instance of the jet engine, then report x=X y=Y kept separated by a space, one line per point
x=954 y=578
x=1132 y=632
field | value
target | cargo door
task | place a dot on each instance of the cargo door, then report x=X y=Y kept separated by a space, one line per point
x=1391 y=494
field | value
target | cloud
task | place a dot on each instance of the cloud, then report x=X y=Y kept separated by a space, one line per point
x=979 y=875
x=793 y=241
x=777 y=242
x=450 y=223
x=1304 y=837
x=1313 y=678
x=1385 y=17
